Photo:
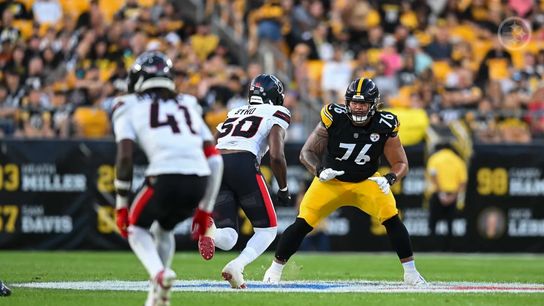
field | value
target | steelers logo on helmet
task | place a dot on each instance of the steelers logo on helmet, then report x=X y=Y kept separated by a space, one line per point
x=362 y=90
x=266 y=89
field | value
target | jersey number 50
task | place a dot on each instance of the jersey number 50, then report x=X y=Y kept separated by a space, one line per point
x=241 y=128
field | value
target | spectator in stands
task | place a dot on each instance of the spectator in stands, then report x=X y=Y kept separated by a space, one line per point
x=34 y=120
x=18 y=9
x=440 y=48
x=203 y=41
x=447 y=177
x=336 y=74
x=8 y=33
x=7 y=113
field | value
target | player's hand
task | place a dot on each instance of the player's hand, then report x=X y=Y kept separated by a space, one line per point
x=328 y=174
x=121 y=217
x=201 y=222
x=284 y=197
x=382 y=183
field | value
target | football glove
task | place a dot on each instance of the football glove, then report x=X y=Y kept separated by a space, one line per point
x=121 y=216
x=328 y=174
x=384 y=182
x=201 y=221
x=284 y=197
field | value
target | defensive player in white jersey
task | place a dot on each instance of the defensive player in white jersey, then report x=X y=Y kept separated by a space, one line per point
x=184 y=170
x=243 y=139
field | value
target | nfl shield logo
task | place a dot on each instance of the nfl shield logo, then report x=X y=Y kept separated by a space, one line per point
x=355 y=135
x=374 y=137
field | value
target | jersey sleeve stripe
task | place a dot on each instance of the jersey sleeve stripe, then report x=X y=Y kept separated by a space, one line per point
x=283 y=116
x=326 y=117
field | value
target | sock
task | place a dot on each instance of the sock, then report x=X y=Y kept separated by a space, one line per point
x=409 y=266
x=291 y=239
x=257 y=244
x=142 y=244
x=277 y=266
x=165 y=243
x=225 y=238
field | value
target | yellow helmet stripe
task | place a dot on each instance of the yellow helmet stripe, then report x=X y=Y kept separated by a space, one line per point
x=359 y=86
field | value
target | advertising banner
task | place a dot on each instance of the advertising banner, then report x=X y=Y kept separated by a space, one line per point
x=60 y=195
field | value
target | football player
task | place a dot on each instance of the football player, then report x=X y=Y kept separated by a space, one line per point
x=352 y=137
x=243 y=139
x=184 y=170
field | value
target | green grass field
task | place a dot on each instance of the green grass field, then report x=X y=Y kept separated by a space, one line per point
x=19 y=267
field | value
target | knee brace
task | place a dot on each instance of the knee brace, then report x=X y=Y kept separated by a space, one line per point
x=399 y=237
x=291 y=239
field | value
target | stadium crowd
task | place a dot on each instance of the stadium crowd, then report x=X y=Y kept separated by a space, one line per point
x=63 y=61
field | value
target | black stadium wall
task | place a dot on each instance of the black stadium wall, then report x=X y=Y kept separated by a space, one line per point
x=59 y=195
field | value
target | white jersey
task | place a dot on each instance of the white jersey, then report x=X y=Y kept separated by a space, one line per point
x=247 y=127
x=171 y=133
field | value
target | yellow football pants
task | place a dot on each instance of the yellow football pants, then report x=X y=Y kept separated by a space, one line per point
x=322 y=198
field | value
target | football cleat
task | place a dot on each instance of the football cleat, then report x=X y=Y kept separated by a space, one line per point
x=414 y=279
x=234 y=274
x=206 y=244
x=163 y=283
x=4 y=290
x=272 y=276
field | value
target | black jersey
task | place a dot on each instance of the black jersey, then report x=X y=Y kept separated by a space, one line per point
x=356 y=149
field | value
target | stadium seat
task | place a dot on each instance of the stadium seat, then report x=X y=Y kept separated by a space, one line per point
x=315 y=70
x=75 y=8
x=110 y=7
x=24 y=26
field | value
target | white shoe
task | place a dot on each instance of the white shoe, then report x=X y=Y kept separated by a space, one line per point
x=163 y=282
x=414 y=279
x=272 y=276
x=234 y=274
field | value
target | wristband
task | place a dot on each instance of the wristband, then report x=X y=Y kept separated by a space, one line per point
x=318 y=171
x=283 y=189
x=121 y=202
x=391 y=178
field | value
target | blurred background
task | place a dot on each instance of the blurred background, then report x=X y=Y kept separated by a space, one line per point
x=464 y=73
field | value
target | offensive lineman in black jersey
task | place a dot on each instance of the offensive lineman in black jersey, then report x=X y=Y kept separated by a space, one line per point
x=352 y=138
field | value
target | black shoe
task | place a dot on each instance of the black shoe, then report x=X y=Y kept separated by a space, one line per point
x=4 y=290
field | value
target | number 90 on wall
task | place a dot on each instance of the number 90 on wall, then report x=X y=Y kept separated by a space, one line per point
x=9 y=177
x=492 y=181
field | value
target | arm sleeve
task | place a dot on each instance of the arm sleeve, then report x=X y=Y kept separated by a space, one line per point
x=215 y=162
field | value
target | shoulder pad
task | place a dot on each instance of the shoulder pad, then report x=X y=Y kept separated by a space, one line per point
x=283 y=113
x=386 y=122
x=331 y=111
x=121 y=104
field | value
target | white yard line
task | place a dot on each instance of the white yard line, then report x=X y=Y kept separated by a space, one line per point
x=299 y=286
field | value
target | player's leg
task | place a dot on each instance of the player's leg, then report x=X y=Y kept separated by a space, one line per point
x=320 y=200
x=165 y=243
x=225 y=215
x=256 y=203
x=177 y=197
x=374 y=202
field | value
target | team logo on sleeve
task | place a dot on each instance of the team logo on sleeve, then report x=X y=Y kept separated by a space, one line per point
x=374 y=137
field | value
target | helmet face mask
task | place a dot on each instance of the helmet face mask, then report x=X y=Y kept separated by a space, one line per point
x=266 y=89
x=362 y=91
x=151 y=70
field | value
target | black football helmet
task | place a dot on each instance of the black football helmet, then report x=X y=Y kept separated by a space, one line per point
x=151 y=70
x=362 y=90
x=266 y=89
